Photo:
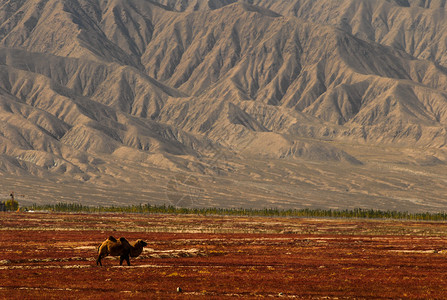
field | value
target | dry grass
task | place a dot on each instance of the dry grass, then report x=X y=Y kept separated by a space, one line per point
x=52 y=256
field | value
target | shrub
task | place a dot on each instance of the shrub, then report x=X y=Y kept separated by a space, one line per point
x=11 y=205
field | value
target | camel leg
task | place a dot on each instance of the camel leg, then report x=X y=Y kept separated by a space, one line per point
x=98 y=260
x=124 y=257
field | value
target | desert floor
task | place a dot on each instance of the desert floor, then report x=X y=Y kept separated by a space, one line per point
x=52 y=256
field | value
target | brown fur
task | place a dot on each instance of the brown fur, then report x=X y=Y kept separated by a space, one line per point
x=137 y=248
x=121 y=248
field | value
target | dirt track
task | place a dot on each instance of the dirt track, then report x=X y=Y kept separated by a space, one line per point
x=48 y=255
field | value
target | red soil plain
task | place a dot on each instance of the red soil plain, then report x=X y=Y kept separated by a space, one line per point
x=52 y=256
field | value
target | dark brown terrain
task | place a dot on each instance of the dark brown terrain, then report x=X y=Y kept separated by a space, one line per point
x=52 y=256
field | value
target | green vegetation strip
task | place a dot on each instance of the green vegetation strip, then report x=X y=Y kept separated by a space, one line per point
x=266 y=212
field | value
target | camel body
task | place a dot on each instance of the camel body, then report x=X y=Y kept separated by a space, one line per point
x=121 y=248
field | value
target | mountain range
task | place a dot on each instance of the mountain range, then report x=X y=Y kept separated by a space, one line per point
x=291 y=104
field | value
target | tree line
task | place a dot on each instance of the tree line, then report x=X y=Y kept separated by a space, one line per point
x=265 y=212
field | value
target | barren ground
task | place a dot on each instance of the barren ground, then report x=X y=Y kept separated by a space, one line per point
x=51 y=255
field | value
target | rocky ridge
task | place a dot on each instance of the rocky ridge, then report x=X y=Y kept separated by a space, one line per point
x=221 y=90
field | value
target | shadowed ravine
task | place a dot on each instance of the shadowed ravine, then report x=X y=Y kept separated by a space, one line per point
x=291 y=104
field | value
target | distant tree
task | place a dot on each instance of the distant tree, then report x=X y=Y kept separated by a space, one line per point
x=11 y=204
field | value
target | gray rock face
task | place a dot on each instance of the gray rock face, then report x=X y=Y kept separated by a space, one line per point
x=122 y=96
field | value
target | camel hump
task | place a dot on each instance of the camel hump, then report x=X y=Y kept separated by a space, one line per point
x=111 y=238
x=123 y=240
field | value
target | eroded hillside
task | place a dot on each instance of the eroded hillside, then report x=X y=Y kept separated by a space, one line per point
x=225 y=103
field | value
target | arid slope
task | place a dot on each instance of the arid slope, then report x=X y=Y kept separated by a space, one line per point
x=224 y=103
